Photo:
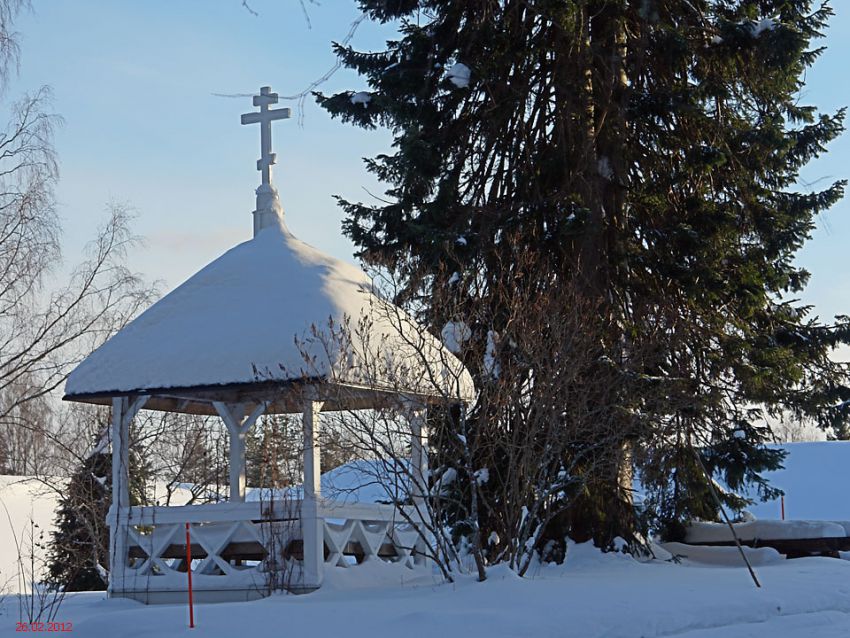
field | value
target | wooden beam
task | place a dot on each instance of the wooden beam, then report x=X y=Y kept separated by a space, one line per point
x=281 y=397
x=238 y=424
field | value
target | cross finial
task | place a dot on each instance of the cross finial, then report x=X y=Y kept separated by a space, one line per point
x=265 y=118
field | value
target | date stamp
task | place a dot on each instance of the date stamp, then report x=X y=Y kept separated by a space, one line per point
x=43 y=627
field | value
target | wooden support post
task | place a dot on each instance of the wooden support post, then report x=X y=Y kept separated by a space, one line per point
x=419 y=454
x=312 y=526
x=120 y=479
x=419 y=472
x=123 y=412
x=238 y=423
x=238 y=478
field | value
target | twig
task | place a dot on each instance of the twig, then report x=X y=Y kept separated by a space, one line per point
x=725 y=516
x=301 y=96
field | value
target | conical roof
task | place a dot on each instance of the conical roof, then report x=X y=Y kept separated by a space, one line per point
x=270 y=311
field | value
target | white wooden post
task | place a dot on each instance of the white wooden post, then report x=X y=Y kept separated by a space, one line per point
x=238 y=478
x=120 y=490
x=312 y=526
x=123 y=412
x=238 y=424
x=419 y=472
x=419 y=454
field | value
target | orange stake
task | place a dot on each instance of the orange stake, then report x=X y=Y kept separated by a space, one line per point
x=189 y=573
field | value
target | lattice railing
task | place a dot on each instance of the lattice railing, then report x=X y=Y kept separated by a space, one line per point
x=361 y=532
x=244 y=546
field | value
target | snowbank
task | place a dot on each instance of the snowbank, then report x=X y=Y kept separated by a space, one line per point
x=728 y=556
x=27 y=508
x=591 y=596
x=27 y=511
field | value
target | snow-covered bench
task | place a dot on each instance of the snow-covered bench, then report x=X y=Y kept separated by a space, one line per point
x=794 y=539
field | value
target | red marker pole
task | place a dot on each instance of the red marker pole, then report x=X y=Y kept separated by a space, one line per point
x=782 y=502
x=189 y=573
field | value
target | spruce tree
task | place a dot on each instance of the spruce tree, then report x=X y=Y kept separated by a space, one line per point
x=79 y=547
x=648 y=152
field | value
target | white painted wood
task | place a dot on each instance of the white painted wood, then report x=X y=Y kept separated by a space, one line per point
x=380 y=531
x=238 y=424
x=265 y=118
x=289 y=509
x=312 y=456
x=116 y=548
x=202 y=596
x=312 y=525
x=232 y=416
x=153 y=530
x=363 y=511
x=123 y=412
x=418 y=419
x=212 y=513
x=419 y=452
x=238 y=479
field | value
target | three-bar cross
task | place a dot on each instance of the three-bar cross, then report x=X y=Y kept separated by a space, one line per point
x=265 y=118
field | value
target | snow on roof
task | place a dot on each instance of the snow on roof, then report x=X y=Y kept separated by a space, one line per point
x=459 y=74
x=270 y=309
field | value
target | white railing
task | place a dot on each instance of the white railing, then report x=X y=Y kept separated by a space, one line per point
x=246 y=550
x=364 y=531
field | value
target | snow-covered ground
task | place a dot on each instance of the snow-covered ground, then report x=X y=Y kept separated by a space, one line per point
x=591 y=596
x=27 y=508
x=706 y=595
x=27 y=511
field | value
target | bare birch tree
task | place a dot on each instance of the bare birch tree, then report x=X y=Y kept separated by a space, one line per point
x=48 y=320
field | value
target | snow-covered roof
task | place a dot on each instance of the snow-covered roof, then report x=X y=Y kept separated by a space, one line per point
x=270 y=310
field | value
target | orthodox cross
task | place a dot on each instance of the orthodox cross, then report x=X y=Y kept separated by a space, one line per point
x=265 y=118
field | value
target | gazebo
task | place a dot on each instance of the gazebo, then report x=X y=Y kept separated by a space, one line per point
x=273 y=326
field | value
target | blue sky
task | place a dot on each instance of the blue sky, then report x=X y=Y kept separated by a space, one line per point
x=134 y=82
